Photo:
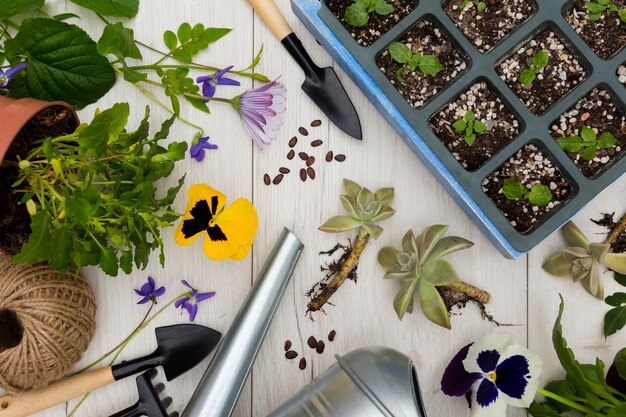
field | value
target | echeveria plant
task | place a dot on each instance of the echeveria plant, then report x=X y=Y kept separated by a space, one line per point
x=420 y=266
x=582 y=260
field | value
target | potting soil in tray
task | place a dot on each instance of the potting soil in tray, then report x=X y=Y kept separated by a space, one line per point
x=483 y=53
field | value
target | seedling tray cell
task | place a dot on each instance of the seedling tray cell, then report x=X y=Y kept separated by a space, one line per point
x=413 y=123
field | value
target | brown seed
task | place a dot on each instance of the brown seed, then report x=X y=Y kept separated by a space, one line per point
x=316 y=123
x=303 y=174
x=266 y=179
x=311 y=172
x=310 y=161
x=340 y=157
x=316 y=143
x=290 y=354
x=329 y=156
x=303 y=131
x=584 y=116
x=302 y=364
x=284 y=170
x=331 y=335
x=303 y=155
x=277 y=179
x=312 y=342
x=287 y=345
x=320 y=346
x=291 y=154
x=293 y=142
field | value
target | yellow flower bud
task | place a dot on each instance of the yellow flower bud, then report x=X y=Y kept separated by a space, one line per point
x=23 y=164
x=31 y=207
x=56 y=165
x=62 y=215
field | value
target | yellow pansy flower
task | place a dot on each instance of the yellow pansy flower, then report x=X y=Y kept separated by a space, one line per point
x=228 y=231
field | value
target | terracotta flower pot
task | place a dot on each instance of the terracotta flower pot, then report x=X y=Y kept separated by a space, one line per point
x=15 y=113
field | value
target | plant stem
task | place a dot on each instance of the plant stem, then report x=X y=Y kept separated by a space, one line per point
x=322 y=298
x=565 y=401
x=617 y=230
x=191 y=95
x=471 y=291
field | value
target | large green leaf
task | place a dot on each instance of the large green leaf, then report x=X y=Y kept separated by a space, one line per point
x=36 y=249
x=10 y=8
x=63 y=63
x=61 y=243
x=119 y=41
x=432 y=305
x=439 y=272
x=115 y=8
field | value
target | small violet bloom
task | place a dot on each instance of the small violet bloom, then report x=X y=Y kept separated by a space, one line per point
x=197 y=150
x=149 y=291
x=260 y=108
x=493 y=373
x=5 y=77
x=210 y=83
x=190 y=303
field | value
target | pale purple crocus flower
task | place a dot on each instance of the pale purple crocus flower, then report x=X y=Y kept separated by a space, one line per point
x=198 y=149
x=260 y=109
x=210 y=83
x=149 y=291
x=5 y=77
x=190 y=303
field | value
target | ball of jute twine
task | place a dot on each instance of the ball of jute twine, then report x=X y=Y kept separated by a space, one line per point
x=58 y=318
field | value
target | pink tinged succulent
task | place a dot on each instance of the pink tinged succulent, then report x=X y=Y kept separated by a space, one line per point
x=190 y=302
x=260 y=109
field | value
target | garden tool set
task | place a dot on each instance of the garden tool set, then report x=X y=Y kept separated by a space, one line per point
x=150 y=404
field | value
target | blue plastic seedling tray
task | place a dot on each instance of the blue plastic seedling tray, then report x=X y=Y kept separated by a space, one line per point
x=412 y=124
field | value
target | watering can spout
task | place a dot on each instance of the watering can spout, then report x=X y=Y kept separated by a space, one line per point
x=219 y=389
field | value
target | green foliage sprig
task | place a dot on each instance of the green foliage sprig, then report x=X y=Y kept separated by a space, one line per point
x=615 y=318
x=595 y=9
x=92 y=198
x=587 y=143
x=529 y=75
x=480 y=6
x=469 y=127
x=358 y=13
x=426 y=64
x=538 y=194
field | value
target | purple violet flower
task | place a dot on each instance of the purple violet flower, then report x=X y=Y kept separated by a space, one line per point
x=197 y=150
x=5 y=77
x=260 y=108
x=210 y=83
x=190 y=303
x=149 y=292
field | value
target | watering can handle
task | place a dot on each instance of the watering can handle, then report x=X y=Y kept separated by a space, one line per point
x=30 y=402
x=272 y=16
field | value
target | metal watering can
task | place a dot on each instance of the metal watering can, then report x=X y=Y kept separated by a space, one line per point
x=369 y=382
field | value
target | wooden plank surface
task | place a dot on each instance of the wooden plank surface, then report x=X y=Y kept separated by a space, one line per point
x=523 y=295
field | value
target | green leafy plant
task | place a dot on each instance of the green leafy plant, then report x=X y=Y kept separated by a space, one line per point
x=595 y=9
x=587 y=143
x=358 y=13
x=584 y=390
x=92 y=196
x=420 y=267
x=529 y=75
x=426 y=64
x=615 y=318
x=583 y=260
x=480 y=6
x=365 y=210
x=537 y=195
x=469 y=127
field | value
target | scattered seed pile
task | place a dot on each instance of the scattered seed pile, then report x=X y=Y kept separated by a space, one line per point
x=598 y=111
x=502 y=126
x=308 y=171
x=427 y=39
x=606 y=35
x=377 y=25
x=313 y=343
x=528 y=167
x=561 y=75
x=485 y=29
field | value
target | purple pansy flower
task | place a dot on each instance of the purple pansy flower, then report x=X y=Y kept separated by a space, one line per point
x=149 y=292
x=496 y=372
x=5 y=77
x=190 y=303
x=260 y=108
x=197 y=150
x=210 y=83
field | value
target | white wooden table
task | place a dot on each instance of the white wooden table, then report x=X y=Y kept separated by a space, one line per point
x=522 y=293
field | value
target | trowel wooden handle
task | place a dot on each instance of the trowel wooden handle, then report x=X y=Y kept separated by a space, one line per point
x=272 y=17
x=30 y=402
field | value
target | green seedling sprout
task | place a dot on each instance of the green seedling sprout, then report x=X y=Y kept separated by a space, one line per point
x=595 y=10
x=540 y=61
x=587 y=143
x=538 y=195
x=426 y=64
x=358 y=14
x=470 y=127
x=481 y=5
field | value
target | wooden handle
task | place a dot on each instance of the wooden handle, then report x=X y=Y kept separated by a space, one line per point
x=30 y=402
x=272 y=17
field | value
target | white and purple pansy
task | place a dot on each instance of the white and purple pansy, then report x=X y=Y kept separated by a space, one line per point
x=493 y=373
